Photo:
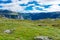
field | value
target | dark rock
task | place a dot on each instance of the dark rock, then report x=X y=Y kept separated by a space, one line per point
x=39 y=25
x=42 y=25
x=55 y=25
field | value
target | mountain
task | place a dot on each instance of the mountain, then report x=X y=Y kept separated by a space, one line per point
x=8 y=13
x=29 y=16
x=2 y=12
x=36 y=16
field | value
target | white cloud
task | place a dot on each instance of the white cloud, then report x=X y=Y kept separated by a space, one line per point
x=14 y=6
x=46 y=2
x=53 y=8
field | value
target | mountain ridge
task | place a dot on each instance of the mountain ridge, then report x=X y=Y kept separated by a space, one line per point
x=29 y=16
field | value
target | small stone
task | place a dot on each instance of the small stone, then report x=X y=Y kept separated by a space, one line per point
x=56 y=25
x=8 y=31
x=42 y=25
x=39 y=25
x=42 y=38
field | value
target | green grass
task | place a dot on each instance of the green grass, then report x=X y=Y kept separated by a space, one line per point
x=27 y=29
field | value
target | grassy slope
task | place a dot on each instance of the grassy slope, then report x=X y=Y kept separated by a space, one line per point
x=26 y=30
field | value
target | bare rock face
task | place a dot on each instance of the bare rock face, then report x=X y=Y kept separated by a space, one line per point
x=8 y=31
x=42 y=38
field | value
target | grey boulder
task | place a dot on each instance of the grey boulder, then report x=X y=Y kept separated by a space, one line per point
x=42 y=38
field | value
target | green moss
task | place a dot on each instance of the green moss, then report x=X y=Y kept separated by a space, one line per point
x=27 y=29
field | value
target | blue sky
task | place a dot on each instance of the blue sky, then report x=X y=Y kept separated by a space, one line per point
x=30 y=5
x=5 y=1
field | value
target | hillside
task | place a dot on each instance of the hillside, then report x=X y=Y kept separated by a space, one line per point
x=27 y=29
